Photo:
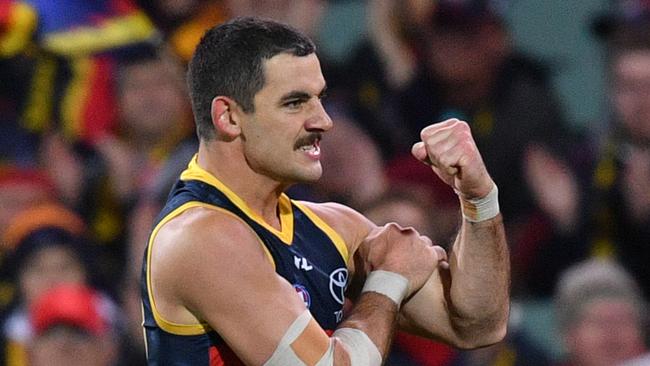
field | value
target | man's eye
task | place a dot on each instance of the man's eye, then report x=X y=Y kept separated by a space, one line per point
x=293 y=103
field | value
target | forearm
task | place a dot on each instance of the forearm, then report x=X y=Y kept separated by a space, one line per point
x=363 y=339
x=376 y=316
x=480 y=279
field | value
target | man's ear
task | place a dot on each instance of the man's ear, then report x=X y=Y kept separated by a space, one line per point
x=224 y=120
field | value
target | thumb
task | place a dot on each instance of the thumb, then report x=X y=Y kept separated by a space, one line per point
x=420 y=152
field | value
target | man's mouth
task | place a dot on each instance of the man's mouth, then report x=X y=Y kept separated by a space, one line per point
x=310 y=144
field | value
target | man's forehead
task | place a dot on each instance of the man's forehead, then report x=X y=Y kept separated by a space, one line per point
x=287 y=70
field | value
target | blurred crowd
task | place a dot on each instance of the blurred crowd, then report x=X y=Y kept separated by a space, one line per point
x=95 y=126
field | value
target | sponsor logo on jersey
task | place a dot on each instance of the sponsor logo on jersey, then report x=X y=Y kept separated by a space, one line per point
x=338 y=283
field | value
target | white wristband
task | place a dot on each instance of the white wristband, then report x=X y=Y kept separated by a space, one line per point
x=390 y=284
x=481 y=209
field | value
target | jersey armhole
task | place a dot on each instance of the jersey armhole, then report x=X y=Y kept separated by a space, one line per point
x=166 y=325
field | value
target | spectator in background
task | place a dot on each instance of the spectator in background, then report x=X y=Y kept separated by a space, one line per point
x=182 y=23
x=152 y=147
x=384 y=61
x=154 y=125
x=45 y=246
x=616 y=223
x=133 y=165
x=22 y=188
x=470 y=71
x=65 y=52
x=57 y=64
x=601 y=314
x=74 y=325
x=620 y=204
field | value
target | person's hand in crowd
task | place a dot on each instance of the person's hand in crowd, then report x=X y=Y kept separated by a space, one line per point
x=553 y=185
x=63 y=166
x=119 y=161
x=399 y=61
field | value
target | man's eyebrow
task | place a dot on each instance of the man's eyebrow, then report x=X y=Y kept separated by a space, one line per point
x=295 y=95
x=301 y=95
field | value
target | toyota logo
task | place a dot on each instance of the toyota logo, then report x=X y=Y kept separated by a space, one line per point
x=338 y=283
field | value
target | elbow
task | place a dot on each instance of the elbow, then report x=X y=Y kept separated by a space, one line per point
x=483 y=333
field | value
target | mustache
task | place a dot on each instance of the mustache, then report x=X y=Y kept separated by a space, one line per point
x=309 y=139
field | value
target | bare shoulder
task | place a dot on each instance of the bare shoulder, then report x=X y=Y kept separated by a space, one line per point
x=202 y=228
x=200 y=248
x=349 y=223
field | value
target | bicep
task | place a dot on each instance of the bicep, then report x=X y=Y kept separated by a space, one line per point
x=242 y=298
x=426 y=313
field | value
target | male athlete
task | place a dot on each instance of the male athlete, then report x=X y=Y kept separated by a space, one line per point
x=238 y=273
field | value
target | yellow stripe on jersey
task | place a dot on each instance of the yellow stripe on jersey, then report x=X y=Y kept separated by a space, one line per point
x=166 y=325
x=331 y=233
x=195 y=172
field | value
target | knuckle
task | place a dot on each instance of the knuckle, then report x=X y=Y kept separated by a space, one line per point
x=426 y=132
x=391 y=226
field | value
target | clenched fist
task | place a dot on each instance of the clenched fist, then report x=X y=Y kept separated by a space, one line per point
x=449 y=148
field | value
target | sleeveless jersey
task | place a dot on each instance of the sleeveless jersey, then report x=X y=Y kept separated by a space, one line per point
x=306 y=252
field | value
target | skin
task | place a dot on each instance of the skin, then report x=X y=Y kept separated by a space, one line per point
x=258 y=155
x=62 y=346
x=47 y=268
x=631 y=93
x=608 y=333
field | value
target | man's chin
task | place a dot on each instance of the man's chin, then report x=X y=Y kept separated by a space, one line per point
x=307 y=178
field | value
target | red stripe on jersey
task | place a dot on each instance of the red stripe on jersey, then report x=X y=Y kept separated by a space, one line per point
x=223 y=356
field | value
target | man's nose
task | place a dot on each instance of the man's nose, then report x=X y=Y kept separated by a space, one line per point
x=320 y=120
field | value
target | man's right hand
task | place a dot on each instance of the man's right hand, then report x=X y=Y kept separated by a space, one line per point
x=403 y=251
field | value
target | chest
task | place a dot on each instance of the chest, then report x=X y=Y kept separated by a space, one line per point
x=312 y=264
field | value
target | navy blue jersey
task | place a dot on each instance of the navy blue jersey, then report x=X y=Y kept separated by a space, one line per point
x=307 y=252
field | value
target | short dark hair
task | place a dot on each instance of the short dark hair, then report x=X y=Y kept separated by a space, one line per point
x=229 y=61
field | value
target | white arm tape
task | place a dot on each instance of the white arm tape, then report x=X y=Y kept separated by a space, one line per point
x=284 y=354
x=390 y=284
x=361 y=350
x=481 y=209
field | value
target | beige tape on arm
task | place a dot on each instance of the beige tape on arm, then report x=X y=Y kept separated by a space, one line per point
x=387 y=283
x=360 y=348
x=284 y=354
x=481 y=209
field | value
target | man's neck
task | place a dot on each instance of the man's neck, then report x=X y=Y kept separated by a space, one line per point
x=259 y=192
